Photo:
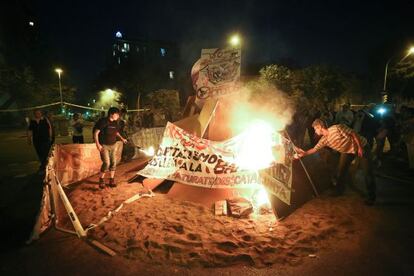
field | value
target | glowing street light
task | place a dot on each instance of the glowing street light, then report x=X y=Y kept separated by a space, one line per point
x=59 y=72
x=108 y=95
x=235 y=40
x=409 y=52
x=381 y=111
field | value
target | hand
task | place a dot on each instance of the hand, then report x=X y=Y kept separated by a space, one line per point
x=298 y=155
x=99 y=147
x=360 y=152
x=124 y=141
x=299 y=150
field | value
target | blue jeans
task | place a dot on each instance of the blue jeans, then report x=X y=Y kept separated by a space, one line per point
x=108 y=157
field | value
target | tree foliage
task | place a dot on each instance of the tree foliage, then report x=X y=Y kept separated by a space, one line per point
x=165 y=101
x=25 y=90
x=404 y=69
x=316 y=84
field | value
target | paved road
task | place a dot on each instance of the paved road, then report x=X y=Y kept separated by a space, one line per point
x=19 y=159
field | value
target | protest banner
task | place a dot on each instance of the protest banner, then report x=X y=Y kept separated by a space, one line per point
x=216 y=73
x=277 y=179
x=188 y=159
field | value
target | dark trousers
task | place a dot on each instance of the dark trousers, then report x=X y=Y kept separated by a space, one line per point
x=77 y=139
x=345 y=161
x=42 y=149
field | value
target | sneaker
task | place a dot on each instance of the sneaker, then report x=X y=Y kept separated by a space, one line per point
x=101 y=183
x=112 y=182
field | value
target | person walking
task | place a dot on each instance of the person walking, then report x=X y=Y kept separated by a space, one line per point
x=105 y=135
x=350 y=145
x=39 y=133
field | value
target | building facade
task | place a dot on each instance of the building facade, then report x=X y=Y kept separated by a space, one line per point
x=151 y=64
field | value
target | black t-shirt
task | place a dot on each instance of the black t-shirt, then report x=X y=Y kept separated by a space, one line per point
x=108 y=130
x=40 y=131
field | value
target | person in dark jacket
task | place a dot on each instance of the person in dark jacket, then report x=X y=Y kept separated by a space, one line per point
x=39 y=133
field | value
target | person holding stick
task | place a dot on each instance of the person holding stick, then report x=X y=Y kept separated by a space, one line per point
x=350 y=145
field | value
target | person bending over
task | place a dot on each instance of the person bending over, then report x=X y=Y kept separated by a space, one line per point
x=350 y=145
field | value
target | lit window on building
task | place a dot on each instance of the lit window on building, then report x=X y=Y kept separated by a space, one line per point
x=31 y=23
x=118 y=34
x=137 y=49
x=126 y=47
x=171 y=74
x=113 y=53
x=163 y=52
x=119 y=60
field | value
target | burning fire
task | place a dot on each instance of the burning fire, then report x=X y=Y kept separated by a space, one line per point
x=150 y=151
x=260 y=198
x=260 y=147
x=257 y=150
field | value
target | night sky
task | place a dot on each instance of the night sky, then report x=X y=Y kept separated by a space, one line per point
x=354 y=36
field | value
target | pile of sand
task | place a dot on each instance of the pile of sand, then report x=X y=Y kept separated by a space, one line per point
x=163 y=230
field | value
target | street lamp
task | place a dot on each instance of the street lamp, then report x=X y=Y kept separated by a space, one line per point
x=59 y=72
x=234 y=40
x=409 y=52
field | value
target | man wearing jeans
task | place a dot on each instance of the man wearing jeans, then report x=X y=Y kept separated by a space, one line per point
x=349 y=144
x=105 y=134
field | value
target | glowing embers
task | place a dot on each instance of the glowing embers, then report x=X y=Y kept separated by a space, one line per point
x=260 y=198
x=257 y=196
x=257 y=146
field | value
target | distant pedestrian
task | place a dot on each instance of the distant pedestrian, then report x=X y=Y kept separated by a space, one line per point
x=77 y=129
x=369 y=126
x=327 y=116
x=345 y=117
x=105 y=134
x=148 y=119
x=39 y=133
x=49 y=115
